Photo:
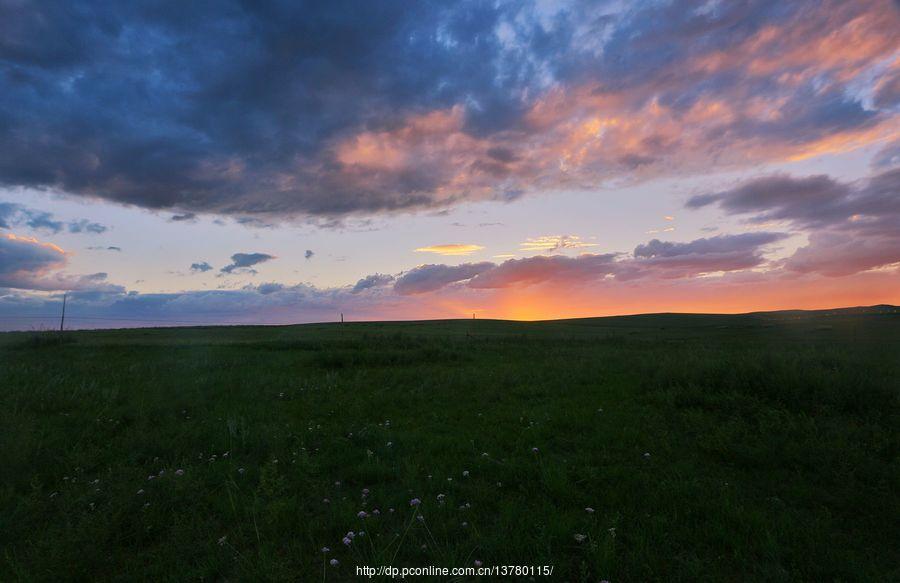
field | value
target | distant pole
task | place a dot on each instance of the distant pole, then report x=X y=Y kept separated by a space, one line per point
x=342 y=317
x=62 y=320
x=473 y=315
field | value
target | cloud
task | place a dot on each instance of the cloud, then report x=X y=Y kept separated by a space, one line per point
x=86 y=226
x=183 y=218
x=428 y=278
x=267 y=112
x=106 y=248
x=852 y=226
x=887 y=157
x=837 y=254
x=655 y=259
x=540 y=269
x=29 y=264
x=23 y=260
x=451 y=249
x=269 y=288
x=707 y=255
x=12 y=214
x=309 y=254
x=376 y=280
x=550 y=243
x=201 y=267
x=243 y=261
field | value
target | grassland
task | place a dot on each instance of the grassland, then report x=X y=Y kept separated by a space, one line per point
x=716 y=448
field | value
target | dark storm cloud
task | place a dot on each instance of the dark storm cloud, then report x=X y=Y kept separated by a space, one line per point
x=183 y=217
x=245 y=261
x=274 y=109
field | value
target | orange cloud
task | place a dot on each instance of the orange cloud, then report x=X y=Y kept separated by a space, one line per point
x=451 y=249
x=13 y=237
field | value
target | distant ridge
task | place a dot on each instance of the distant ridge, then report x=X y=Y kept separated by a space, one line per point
x=852 y=311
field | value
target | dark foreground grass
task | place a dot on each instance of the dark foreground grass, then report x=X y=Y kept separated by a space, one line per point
x=709 y=448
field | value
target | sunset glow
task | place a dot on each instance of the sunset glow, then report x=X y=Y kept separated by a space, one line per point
x=518 y=160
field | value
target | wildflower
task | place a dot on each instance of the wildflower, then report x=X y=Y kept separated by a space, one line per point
x=376 y=512
x=326 y=500
x=338 y=484
x=351 y=535
x=362 y=533
x=612 y=532
x=54 y=494
x=466 y=474
x=334 y=562
x=478 y=563
x=440 y=497
x=485 y=454
x=240 y=470
x=647 y=455
x=465 y=525
x=534 y=450
x=580 y=538
x=150 y=478
x=222 y=541
x=347 y=541
x=390 y=443
x=362 y=514
x=140 y=492
x=161 y=474
x=179 y=472
x=420 y=518
x=589 y=510
x=365 y=492
x=424 y=547
x=391 y=510
x=326 y=550
x=414 y=502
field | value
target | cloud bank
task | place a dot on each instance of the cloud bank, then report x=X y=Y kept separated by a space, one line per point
x=266 y=111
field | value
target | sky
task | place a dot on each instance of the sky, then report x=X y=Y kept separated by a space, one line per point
x=164 y=163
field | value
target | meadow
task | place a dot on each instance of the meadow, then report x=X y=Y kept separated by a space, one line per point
x=759 y=447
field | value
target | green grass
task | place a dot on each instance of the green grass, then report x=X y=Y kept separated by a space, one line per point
x=773 y=449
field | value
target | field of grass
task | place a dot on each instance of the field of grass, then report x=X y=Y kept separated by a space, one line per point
x=714 y=448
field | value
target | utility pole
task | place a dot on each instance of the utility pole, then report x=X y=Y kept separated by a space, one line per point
x=342 y=317
x=62 y=320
